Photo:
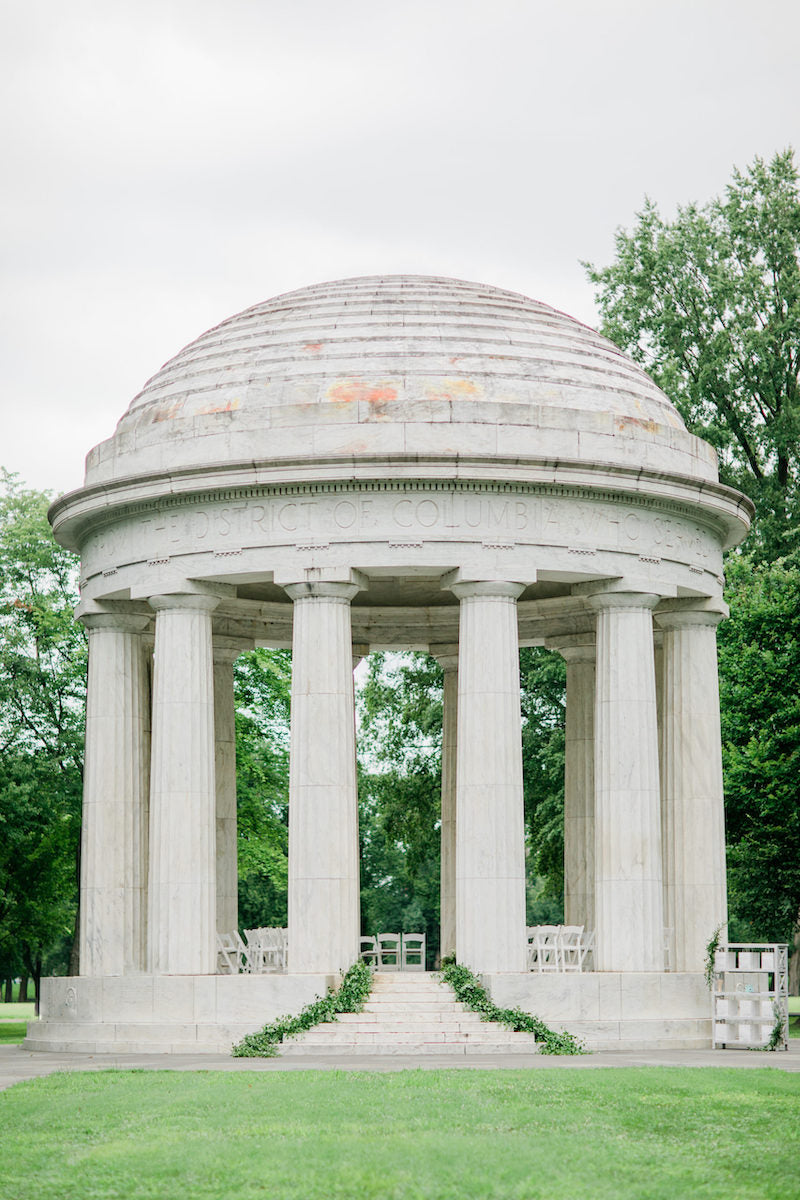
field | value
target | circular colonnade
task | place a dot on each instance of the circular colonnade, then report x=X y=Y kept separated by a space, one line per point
x=402 y=463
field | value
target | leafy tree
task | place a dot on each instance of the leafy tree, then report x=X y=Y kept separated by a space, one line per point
x=262 y=688
x=42 y=693
x=760 y=697
x=400 y=795
x=709 y=303
x=543 y=676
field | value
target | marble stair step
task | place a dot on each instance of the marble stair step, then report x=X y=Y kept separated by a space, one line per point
x=386 y=1003
x=318 y=1038
x=401 y=1026
x=411 y=1047
x=375 y=1020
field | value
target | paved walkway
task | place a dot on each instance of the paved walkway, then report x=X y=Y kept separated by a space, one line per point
x=17 y=1064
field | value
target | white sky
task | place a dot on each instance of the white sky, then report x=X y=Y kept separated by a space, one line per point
x=167 y=163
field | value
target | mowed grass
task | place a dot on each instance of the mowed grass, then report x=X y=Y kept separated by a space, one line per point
x=14 y=1022
x=644 y=1133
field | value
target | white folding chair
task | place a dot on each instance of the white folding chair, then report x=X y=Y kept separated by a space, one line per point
x=586 y=951
x=368 y=950
x=413 y=952
x=546 y=953
x=255 y=950
x=232 y=956
x=569 y=943
x=389 y=951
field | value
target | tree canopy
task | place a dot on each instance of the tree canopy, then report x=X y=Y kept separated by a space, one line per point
x=709 y=304
x=42 y=694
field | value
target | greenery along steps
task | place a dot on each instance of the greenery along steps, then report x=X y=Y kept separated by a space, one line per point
x=353 y=993
x=471 y=992
x=350 y=998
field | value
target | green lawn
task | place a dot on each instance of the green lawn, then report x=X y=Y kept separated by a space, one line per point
x=648 y=1134
x=14 y=1022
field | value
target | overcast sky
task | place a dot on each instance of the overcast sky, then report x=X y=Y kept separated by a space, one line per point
x=167 y=164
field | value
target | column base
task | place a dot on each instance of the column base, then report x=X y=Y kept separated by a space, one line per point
x=170 y=1014
x=614 y=1010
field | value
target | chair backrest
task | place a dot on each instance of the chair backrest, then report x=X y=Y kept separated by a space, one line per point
x=228 y=955
x=368 y=950
x=413 y=956
x=389 y=951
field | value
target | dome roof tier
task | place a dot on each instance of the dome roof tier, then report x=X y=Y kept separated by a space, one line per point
x=404 y=368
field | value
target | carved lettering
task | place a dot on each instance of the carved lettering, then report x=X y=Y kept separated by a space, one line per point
x=344 y=514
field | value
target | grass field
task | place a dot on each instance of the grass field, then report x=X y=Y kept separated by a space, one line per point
x=14 y=1022
x=648 y=1134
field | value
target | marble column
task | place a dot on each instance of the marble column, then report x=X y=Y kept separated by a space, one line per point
x=628 y=884
x=183 y=793
x=225 y=775
x=490 y=837
x=114 y=830
x=692 y=795
x=579 y=832
x=448 y=660
x=324 y=896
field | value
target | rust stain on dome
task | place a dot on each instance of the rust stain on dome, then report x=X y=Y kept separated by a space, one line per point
x=353 y=391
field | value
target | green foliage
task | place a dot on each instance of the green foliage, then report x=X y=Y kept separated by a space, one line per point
x=400 y=730
x=759 y=653
x=400 y=790
x=350 y=998
x=777 y=1034
x=711 y=951
x=709 y=303
x=262 y=687
x=543 y=678
x=42 y=693
x=470 y=991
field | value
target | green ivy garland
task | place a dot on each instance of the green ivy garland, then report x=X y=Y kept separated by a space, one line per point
x=469 y=991
x=711 y=951
x=351 y=996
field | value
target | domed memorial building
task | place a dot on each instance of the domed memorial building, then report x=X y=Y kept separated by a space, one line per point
x=398 y=462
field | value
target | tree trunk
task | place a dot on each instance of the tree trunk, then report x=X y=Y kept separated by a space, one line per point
x=23 y=990
x=37 y=983
x=8 y=991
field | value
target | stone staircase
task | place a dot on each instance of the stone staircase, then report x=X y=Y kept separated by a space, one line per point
x=410 y=1012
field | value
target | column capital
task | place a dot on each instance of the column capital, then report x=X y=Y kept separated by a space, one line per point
x=322 y=589
x=316 y=581
x=637 y=600
x=575 y=647
x=681 y=614
x=446 y=654
x=184 y=602
x=226 y=649
x=122 y=622
x=490 y=589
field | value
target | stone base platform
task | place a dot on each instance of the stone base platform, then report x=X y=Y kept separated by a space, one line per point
x=615 y=1011
x=139 y=1014
x=177 y=1014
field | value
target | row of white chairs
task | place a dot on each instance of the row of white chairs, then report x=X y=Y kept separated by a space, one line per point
x=263 y=950
x=559 y=948
x=394 y=951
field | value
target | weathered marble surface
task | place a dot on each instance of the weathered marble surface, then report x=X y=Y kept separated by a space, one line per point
x=490 y=837
x=324 y=916
x=317 y=472
x=615 y=1010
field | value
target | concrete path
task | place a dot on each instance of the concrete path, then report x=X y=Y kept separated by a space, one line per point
x=17 y=1064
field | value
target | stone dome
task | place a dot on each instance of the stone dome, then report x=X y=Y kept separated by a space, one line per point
x=406 y=369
